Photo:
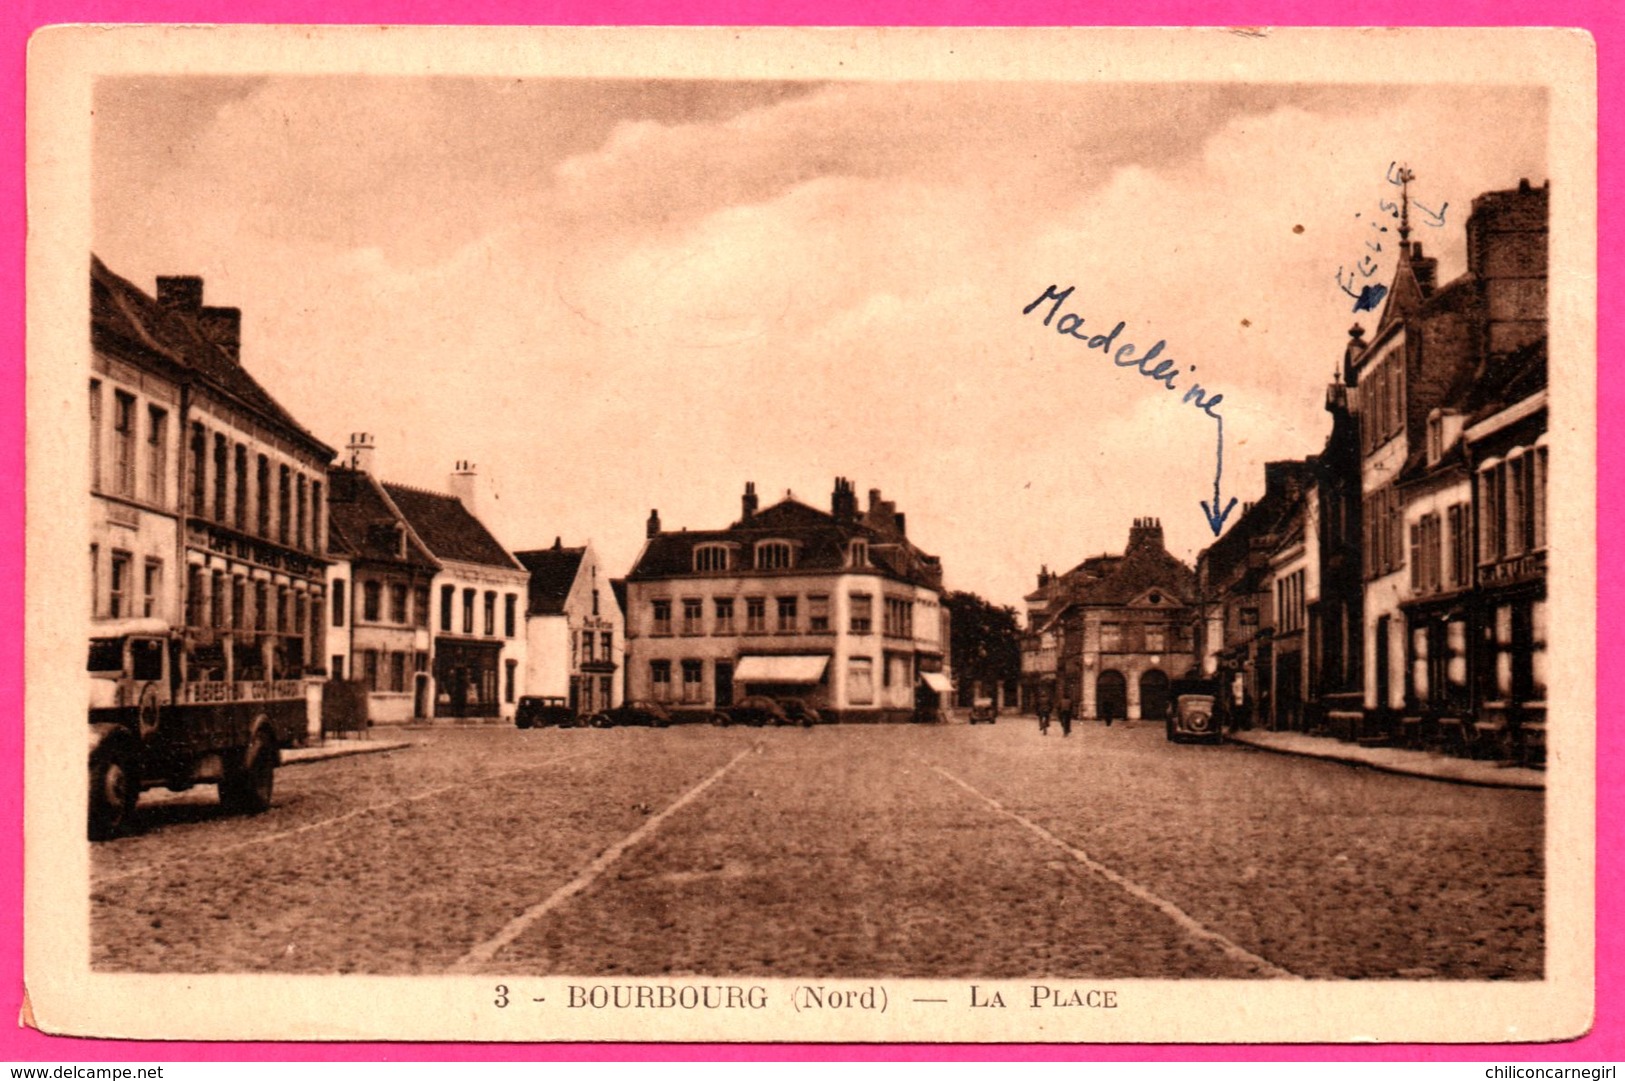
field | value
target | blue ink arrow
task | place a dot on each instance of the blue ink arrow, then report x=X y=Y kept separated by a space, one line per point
x=1215 y=516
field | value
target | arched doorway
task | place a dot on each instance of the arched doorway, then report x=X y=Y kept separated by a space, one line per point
x=1111 y=695
x=1153 y=694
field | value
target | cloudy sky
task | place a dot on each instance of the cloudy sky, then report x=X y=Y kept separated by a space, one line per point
x=615 y=295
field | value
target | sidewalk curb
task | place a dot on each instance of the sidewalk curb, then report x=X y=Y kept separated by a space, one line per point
x=348 y=750
x=1351 y=759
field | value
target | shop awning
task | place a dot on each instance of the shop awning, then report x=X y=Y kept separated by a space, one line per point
x=936 y=681
x=808 y=669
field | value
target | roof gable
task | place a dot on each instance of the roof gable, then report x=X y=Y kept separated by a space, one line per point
x=368 y=524
x=447 y=528
x=553 y=573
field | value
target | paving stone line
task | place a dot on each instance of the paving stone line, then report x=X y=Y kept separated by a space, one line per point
x=1180 y=917
x=371 y=808
x=487 y=950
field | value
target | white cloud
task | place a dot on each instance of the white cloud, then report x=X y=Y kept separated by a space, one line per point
x=651 y=309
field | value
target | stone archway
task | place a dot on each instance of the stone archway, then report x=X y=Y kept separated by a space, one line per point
x=1111 y=695
x=1153 y=694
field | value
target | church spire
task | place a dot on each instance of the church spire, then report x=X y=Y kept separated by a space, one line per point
x=1405 y=177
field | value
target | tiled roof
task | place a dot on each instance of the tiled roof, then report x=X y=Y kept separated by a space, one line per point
x=368 y=524
x=447 y=527
x=123 y=319
x=821 y=539
x=552 y=574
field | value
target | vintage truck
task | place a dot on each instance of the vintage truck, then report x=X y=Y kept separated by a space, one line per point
x=150 y=727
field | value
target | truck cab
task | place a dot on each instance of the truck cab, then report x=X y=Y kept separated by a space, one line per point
x=149 y=727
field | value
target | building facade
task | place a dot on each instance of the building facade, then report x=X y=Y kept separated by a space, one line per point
x=1119 y=626
x=210 y=497
x=476 y=665
x=1437 y=354
x=839 y=609
x=381 y=587
x=575 y=635
x=1236 y=575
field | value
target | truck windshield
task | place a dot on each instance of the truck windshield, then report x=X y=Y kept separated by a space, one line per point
x=106 y=655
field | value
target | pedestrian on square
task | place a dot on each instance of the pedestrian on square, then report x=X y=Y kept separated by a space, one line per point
x=1043 y=718
x=1066 y=716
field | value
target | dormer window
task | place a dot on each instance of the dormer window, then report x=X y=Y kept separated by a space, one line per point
x=773 y=555
x=858 y=553
x=711 y=557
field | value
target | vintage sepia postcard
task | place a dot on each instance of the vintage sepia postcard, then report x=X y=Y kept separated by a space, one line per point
x=860 y=535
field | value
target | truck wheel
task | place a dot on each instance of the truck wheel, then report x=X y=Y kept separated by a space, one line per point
x=247 y=789
x=114 y=789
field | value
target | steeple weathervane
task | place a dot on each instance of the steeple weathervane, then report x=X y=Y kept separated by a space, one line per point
x=1404 y=176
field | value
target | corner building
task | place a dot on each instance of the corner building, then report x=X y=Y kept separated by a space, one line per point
x=839 y=609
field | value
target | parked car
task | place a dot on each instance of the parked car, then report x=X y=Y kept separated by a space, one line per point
x=642 y=712
x=797 y=711
x=537 y=711
x=983 y=711
x=1192 y=710
x=756 y=710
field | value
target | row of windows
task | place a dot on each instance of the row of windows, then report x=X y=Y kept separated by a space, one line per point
x=1383 y=520
x=1134 y=637
x=787 y=612
x=1382 y=401
x=488 y=621
x=126 y=596
x=227 y=483
x=764 y=555
x=127 y=447
x=1440 y=560
x=380 y=671
x=1512 y=504
x=584 y=644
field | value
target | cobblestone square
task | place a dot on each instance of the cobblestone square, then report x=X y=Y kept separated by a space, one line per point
x=884 y=851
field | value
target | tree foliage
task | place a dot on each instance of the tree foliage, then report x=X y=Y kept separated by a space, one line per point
x=983 y=643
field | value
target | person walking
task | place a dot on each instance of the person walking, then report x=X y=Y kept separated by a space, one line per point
x=1066 y=716
x=1043 y=717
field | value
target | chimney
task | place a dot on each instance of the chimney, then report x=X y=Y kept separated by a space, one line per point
x=843 y=502
x=465 y=486
x=180 y=293
x=652 y=527
x=902 y=524
x=1426 y=270
x=558 y=544
x=874 y=499
x=223 y=327
x=362 y=453
x=1145 y=533
x=747 y=504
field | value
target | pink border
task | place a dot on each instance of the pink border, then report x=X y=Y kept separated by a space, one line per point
x=1607 y=1040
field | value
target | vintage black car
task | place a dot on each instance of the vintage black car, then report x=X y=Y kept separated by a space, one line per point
x=536 y=711
x=983 y=711
x=642 y=712
x=1193 y=711
x=757 y=710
